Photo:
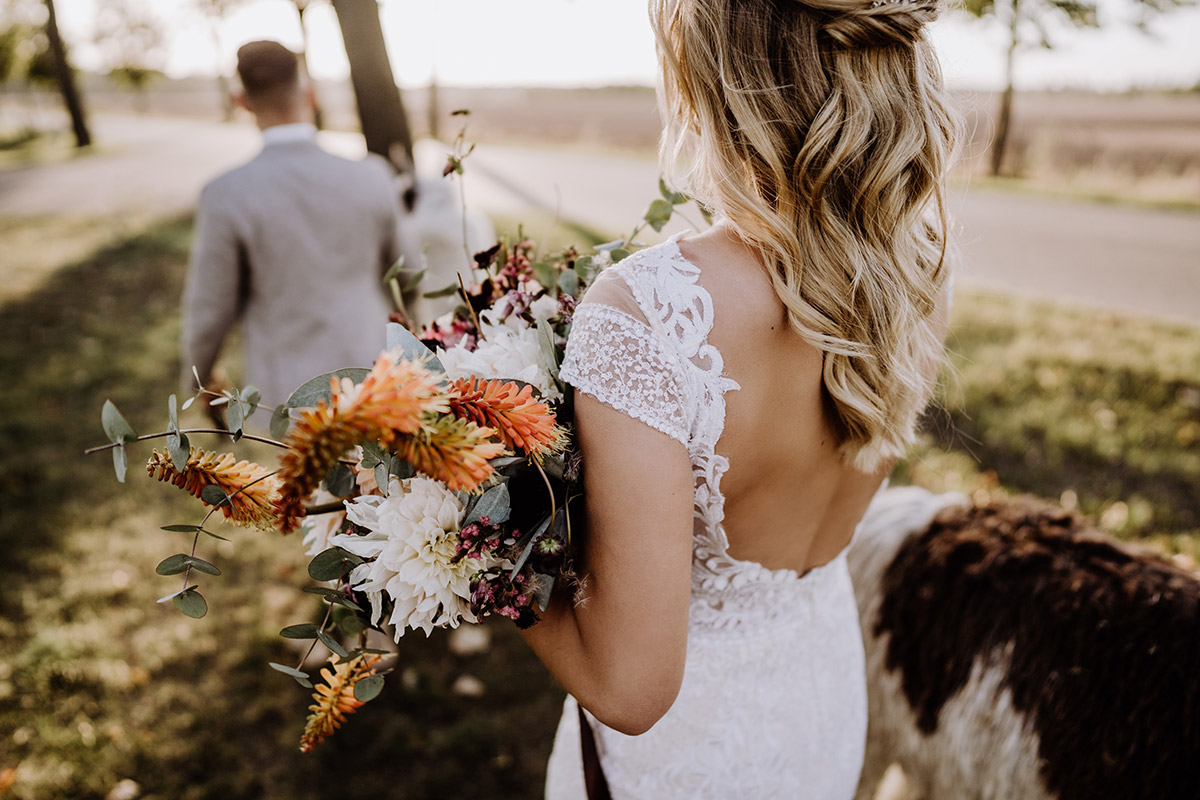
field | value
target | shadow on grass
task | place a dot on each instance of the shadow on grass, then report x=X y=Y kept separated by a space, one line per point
x=105 y=327
x=102 y=684
x=1055 y=400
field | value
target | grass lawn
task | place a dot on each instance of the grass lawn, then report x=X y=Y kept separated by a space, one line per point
x=99 y=684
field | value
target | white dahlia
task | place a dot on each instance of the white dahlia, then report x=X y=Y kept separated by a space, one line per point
x=412 y=541
x=503 y=353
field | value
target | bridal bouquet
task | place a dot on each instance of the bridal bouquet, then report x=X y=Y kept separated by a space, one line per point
x=437 y=487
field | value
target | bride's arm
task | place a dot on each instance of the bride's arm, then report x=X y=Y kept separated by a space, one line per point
x=621 y=651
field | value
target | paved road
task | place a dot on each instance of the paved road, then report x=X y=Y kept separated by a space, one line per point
x=1135 y=260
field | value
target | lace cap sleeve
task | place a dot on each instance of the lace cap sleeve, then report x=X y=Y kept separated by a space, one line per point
x=617 y=356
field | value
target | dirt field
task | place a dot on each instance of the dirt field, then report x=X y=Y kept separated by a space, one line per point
x=1139 y=146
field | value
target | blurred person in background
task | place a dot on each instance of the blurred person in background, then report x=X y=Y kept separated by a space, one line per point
x=293 y=245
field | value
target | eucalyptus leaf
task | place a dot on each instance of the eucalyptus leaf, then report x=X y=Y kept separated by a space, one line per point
x=333 y=644
x=115 y=426
x=304 y=630
x=504 y=462
x=495 y=504
x=181 y=528
x=120 y=462
x=235 y=417
x=549 y=351
x=180 y=450
x=413 y=348
x=172 y=565
x=618 y=254
x=172 y=414
x=334 y=596
x=372 y=455
x=200 y=565
x=368 y=688
x=381 y=478
x=286 y=670
x=545 y=274
x=415 y=281
x=340 y=480
x=350 y=623
x=318 y=388
x=554 y=465
x=530 y=540
x=674 y=198
x=207 y=532
x=251 y=396
x=214 y=495
x=191 y=603
x=658 y=214
x=394 y=270
x=400 y=468
x=280 y=421
x=324 y=591
x=446 y=291
x=173 y=595
x=542 y=589
x=568 y=283
x=329 y=565
x=585 y=267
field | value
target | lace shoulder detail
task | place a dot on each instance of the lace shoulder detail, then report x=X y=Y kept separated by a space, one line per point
x=616 y=357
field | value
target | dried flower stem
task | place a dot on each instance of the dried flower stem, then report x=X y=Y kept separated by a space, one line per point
x=462 y=288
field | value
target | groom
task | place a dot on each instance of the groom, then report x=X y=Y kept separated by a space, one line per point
x=293 y=245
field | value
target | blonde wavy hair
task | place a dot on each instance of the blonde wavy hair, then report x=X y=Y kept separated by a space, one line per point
x=819 y=128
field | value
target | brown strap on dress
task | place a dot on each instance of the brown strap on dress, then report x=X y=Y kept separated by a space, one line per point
x=593 y=774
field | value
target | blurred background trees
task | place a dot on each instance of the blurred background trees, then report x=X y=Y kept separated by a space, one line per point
x=1029 y=24
x=132 y=42
x=215 y=12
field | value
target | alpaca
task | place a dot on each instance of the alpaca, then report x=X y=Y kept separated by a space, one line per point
x=1013 y=652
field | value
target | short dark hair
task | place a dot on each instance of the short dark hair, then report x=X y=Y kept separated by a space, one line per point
x=269 y=72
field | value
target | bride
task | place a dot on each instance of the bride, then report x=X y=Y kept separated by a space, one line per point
x=740 y=397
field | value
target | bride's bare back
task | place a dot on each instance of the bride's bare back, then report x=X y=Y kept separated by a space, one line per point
x=790 y=501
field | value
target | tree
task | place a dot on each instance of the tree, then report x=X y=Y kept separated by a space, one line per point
x=301 y=7
x=380 y=108
x=132 y=42
x=215 y=12
x=66 y=79
x=1028 y=21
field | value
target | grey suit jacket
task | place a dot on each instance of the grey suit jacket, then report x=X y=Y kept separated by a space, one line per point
x=293 y=244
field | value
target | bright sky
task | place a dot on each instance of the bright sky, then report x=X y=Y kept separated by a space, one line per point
x=600 y=42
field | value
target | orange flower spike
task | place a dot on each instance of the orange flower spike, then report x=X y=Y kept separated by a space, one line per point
x=316 y=441
x=453 y=451
x=335 y=699
x=393 y=399
x=252 y=505
x=394 y=396
x=523 y=422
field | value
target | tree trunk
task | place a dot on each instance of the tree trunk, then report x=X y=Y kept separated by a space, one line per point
x=1004 y=119
x=222 y=82
x=433 y=112
x=66 y=79
x=318 y=115
x=380 y=108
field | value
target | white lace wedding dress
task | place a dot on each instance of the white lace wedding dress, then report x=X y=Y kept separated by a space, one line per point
x=773 y=701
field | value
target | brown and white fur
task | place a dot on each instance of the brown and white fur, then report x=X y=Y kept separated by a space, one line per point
x=1015 y=653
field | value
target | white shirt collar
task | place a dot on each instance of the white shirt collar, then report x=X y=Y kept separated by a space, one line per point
x=292 y=132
